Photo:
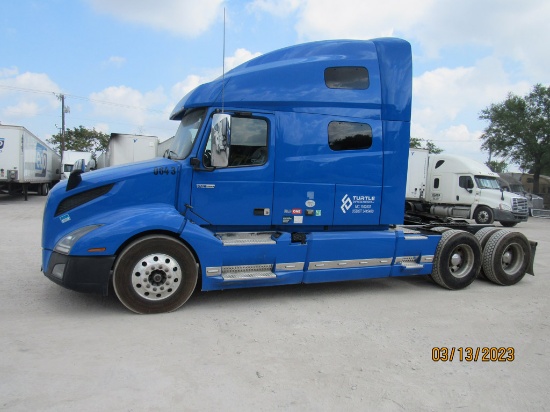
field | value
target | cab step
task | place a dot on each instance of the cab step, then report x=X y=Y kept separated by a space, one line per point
x=247 y=272
x=246 y=238
x=408 y=263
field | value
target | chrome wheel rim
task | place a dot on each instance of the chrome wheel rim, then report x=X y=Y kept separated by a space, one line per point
x=461 y=261
x=156 y=277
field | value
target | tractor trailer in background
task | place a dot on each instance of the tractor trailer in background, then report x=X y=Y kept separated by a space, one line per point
x=511 y=183
x=458 y=187
x=292 y=168
x=26 y=162
x=128 y=148
x=70 y=157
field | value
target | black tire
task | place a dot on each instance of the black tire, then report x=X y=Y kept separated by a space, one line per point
x=45 y=189
x=484 y=234
x=482 y=237
x=155 y=274
x=508 y=224
x=484 y=215
x=506 y=257
x=457 y=260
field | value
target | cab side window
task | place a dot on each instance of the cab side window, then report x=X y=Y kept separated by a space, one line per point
x=466 y=182
x=248 y=142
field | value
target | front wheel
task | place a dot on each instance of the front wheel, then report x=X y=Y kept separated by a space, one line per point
x=155 y=274
x=457 y=259
x=484 y=215
x=508 y=224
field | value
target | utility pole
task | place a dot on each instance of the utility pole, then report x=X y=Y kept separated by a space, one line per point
x=64 y=109
x=62 y=124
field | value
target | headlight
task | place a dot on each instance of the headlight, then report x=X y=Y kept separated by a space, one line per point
x=504 y=206
x=66 y=243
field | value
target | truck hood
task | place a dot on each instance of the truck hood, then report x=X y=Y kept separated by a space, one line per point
x=109 y=190
x=499 y=197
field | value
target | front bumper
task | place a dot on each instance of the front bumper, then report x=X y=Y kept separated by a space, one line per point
x=81 y=273
x=507 y=216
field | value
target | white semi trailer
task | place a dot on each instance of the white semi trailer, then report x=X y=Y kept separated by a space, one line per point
x=26 y=162
x=128 y=148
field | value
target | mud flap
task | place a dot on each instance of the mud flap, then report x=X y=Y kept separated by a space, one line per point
x=533 y=245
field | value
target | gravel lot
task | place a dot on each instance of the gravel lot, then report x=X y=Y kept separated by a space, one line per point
x=363 y=345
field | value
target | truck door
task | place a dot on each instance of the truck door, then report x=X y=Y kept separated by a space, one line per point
x=240 y=192
x=466 y=193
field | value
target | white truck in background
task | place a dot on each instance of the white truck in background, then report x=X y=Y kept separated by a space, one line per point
x=164 y=146
x=69 y=158
x=512 y=183
x=458 y=187
x=26 y=162
x=128 y=148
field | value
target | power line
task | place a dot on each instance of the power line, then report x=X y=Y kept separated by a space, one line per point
x=35 y=91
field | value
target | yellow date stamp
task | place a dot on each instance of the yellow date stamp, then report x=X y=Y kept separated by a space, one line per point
x=473 y=354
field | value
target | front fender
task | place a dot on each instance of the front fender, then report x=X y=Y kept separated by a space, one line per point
x=120 y=225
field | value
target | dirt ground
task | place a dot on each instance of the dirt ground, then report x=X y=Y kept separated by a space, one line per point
x=364 y=345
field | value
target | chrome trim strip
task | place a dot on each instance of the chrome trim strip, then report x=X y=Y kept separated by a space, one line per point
x=415 y=237
x=356 y=263
x=213 y=271
x=286 y=267
x=427 y=259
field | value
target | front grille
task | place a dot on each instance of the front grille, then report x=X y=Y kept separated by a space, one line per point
x=519 y=206
x=81 y=198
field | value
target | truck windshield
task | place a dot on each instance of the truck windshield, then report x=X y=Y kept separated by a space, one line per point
x=516 y=188
x=486 y=182
x=186 y=134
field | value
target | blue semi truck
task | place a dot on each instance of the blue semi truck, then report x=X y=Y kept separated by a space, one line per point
x=291 y=168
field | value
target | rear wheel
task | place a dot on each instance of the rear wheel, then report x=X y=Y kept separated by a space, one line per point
x=483 y=236
x=155 y=274
x=457 y=260
x=45 y=190
x=506 y=257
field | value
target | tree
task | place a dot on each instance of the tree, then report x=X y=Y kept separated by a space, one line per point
x=519 y=130
x=81 y=139
x=416 y=143
x=497 y=166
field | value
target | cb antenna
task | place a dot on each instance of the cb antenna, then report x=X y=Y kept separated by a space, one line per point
x=223 y=63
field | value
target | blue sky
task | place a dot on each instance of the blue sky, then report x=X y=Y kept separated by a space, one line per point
x=124 y=64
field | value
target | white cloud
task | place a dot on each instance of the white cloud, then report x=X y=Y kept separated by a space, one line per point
x=445 y=96
x=130 y=107
x=114 y=61
x=183 y=17
x=192 y=81
x=180 y=89
x=21 y=110
x=358 y=19
x=241 y=56
x=25 y=95
x=510 y=29
x=8 y=72
x=506 y=29
x=102 y=127
x=279 y=8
